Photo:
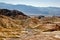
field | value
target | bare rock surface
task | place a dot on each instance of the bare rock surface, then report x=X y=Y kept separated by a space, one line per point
x=15 y=25
x=40 y=36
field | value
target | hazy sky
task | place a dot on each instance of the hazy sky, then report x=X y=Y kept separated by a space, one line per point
x=38 y=3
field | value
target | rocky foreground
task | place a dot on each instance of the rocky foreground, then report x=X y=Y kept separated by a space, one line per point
x=28 y=28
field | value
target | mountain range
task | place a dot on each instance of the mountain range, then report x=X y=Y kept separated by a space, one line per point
x=31 y=10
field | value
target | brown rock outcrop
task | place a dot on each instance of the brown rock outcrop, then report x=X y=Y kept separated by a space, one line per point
x=13 y=14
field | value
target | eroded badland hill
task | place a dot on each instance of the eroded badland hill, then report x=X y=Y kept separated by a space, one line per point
x=15 y=25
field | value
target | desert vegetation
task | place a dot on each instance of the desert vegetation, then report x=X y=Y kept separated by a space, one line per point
x=15 y=25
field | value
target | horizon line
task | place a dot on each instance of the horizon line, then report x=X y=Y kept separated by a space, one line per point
x=28 y=5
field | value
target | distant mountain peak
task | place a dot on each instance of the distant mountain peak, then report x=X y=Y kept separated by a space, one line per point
x=31 y=10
